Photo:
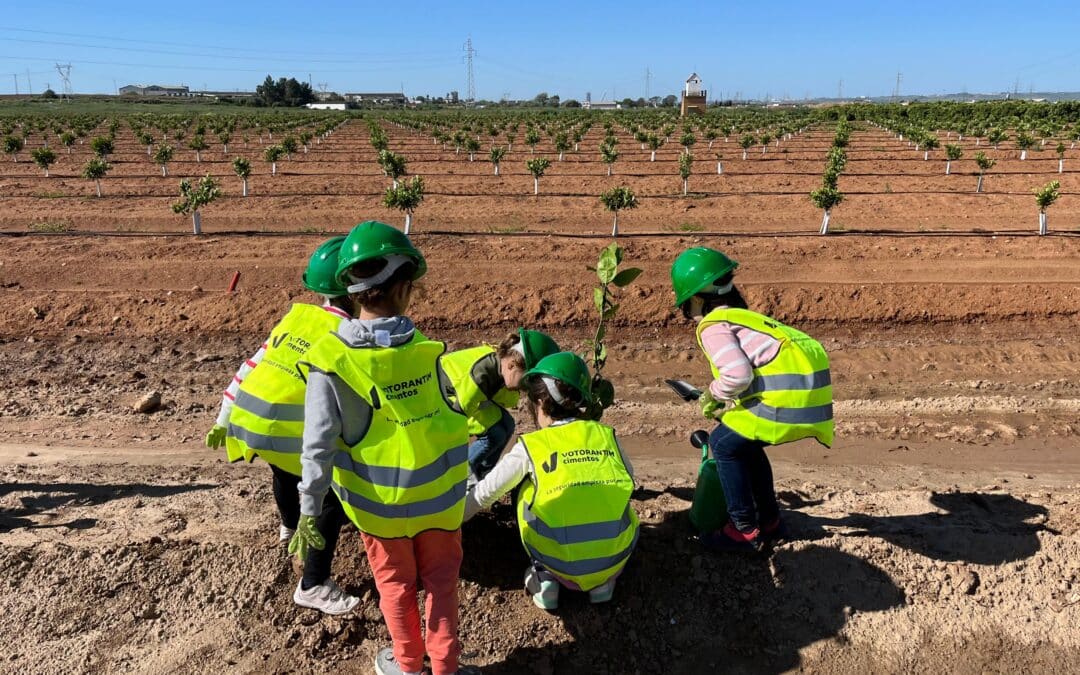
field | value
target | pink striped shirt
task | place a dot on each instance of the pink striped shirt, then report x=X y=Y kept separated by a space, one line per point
x=229 y=397
x=735 y=351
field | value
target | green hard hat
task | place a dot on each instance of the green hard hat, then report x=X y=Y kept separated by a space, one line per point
x=696 y=268
x=568 y=368
x=372 y=239
x=536 y=346
x=321 y=273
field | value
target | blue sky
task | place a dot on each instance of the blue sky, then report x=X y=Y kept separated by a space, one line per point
x=568 y=48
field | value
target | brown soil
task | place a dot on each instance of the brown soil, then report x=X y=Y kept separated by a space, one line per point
x=941 y=533
x=888 y=186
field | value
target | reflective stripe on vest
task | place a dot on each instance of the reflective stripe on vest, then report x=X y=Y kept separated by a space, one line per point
x=283 y=412
x=268 y=416
x=790 y=397
x=483 y=412
x=574 y=514
x=408 y=473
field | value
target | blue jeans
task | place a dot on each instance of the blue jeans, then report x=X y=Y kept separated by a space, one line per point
x=485 y=451
x=746 y=476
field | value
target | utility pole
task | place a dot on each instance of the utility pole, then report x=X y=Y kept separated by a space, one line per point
x=840 y=90
x=470 y=82
x=15 y=76
x=896 y=90
x=648 y=83
x=29 y=85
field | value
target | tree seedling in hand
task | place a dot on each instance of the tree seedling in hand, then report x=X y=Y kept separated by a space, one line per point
x=610 y=277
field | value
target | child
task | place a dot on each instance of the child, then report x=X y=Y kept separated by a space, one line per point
x=486 y=382
x=574 y=510
x=381 y=434
x=777 y=379
x=262 y=414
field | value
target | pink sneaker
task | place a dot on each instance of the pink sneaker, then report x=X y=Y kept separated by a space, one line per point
x=731 y=539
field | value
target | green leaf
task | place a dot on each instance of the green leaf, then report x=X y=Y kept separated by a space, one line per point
x=610 y=311
x=607 y=266
x=601 y=331
x=598 y=299
x=626 y=276
x=603 y=354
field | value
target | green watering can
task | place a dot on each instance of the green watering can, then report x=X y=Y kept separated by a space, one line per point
x=709 y=509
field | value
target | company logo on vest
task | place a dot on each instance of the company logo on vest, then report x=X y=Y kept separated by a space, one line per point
x=550 y=465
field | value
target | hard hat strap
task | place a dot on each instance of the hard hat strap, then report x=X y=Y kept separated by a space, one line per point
x=393 y=262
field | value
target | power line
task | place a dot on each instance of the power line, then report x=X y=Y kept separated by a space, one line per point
x=262 y=58
x=377 y=69
x=218 y=47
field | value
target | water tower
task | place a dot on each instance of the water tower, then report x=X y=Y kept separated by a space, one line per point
x=693 y=98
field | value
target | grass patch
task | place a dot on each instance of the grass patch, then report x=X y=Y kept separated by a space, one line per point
x=509 y=229
x=311 y=230
x=52 y=226
x=691 y=227
x=49 y=195
x=888 y=189
x=878 y=148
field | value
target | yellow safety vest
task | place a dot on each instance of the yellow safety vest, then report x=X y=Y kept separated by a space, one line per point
x=791 y=396
x=408 y=473
x=483 y=412
x=574 y=514
x=267 y=418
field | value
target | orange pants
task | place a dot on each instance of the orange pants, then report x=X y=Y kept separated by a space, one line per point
x=433 y=557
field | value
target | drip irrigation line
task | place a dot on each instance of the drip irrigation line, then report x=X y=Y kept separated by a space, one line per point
x=849 y=233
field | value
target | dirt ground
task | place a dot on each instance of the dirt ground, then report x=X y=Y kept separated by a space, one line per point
x=940 y=534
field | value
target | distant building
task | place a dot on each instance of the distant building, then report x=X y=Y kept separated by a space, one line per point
x=225 y=94
x=326 y=106
x=377 y=98
x=601 y=105
x=452 y=98
x=154 y=90
x=693 y=99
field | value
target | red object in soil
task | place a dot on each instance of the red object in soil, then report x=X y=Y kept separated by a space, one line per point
x=235 y=279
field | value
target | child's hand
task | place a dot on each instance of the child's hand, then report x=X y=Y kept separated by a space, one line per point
x=307 y=537
x=216 y=438
x=710 y=405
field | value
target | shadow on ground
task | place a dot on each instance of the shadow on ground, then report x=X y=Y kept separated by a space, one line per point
x=680 y=610
x=44 y=499
x=984 y=529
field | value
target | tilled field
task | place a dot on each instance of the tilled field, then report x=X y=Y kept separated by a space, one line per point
x=888 y=187
x=942 y=533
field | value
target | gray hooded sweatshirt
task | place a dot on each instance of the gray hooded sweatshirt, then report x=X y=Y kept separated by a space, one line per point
x=332 y=410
